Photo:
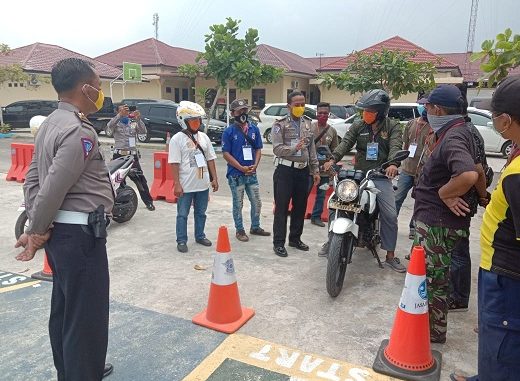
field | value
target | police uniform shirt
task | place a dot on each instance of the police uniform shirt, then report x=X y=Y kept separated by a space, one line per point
x=125 y=133
x=234 y=142
x=286 y=132
x=67 y=171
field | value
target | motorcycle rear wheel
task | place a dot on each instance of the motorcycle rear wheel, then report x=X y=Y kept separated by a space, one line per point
x=20 y=225
x=128 y=216
x=337 y=264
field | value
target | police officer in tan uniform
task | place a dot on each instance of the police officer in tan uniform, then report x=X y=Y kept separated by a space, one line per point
x=296 y=162
x=67 y=196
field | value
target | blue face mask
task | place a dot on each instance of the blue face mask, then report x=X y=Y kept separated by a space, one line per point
x=125 y=120
x=421 y=109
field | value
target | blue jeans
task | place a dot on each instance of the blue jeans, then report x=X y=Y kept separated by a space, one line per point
x=200 y=204
x=404 y=185
x=249 y=184
x=460 y=272
x=320 y=197
x=387 y=213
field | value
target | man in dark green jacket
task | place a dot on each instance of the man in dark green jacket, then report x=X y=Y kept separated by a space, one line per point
x=377 y=138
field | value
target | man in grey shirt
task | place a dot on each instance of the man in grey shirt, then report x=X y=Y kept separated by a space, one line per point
x=125 y=126
x=67 y=195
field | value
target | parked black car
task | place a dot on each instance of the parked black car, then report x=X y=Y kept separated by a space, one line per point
x=18 y=114
x=160 y=117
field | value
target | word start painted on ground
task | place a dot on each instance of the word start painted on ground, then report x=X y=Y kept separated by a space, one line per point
x=315 y=367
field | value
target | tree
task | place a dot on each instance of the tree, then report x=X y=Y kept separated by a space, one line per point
x=392 y=71
x=229 y=58
x=498 y=57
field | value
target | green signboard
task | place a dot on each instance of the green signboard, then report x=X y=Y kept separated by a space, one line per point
x=132 y=72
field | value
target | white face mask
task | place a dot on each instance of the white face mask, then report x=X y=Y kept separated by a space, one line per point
x=506 y=128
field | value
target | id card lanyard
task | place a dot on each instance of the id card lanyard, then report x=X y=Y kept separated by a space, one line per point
x=200 y=160
x=373 y=147
x=413 y=147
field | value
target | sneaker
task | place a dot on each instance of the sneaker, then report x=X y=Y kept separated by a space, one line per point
x=317 y=222
x=242 y=236
x=395 y=264
x=454 y=306
x=324 y=251
x=182 y=247
x=259 y=231
x=203 y=242
x=411 y=234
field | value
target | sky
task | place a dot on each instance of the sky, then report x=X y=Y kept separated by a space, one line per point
x=330 y=27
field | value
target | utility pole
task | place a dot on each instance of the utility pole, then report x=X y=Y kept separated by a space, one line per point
x=320 y=55
x=156 y=24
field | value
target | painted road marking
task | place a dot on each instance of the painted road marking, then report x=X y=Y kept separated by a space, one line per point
x=294 y=364
x=12 y=281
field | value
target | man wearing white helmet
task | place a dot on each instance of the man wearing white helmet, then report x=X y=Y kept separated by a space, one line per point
x=192 y=160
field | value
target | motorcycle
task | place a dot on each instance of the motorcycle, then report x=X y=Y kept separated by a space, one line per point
x=354 y=219
x=125 y=203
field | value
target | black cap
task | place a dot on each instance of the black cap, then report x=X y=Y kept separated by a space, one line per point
x=444 y=95
x=506 y=98
x=237 y=104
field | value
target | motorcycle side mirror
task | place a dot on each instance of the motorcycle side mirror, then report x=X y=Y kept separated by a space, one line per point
x=401 y=155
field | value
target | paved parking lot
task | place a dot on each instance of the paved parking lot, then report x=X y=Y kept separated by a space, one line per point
x=155 y=291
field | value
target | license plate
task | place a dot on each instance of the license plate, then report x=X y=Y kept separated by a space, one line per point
x=343 y=206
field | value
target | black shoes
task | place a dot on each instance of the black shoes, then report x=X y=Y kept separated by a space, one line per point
x=150 y=207
x=299 y=245
x=203 y=242
x=182 y=247
x=259 y=231
x=454 y=306
x=280 y=251
x=108 y=369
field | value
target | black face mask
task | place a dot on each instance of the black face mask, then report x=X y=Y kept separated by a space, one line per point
x=242 y=118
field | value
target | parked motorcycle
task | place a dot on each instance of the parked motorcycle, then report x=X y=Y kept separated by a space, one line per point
x=125 y=203
x=354 y=219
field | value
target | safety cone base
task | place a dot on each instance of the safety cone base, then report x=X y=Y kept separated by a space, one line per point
x=200 y=319
x=40 y=275
x=383 y=366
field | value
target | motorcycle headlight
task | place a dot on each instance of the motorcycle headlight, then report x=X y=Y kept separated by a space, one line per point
x=347 y=190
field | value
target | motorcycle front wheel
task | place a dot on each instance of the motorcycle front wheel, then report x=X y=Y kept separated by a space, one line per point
x=21 y=224
x=337 y=263
x=129 y=208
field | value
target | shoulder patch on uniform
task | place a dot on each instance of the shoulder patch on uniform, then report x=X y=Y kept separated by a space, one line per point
x=87 y=145
x=282 y=118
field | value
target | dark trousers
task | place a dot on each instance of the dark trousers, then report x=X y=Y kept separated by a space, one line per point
x=139 y=180
x=78 y=323
x=460 y=272
x=289 y=184
x=498 y=327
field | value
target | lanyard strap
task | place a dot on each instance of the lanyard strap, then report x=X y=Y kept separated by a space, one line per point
x=445 y=132
x=418 y=130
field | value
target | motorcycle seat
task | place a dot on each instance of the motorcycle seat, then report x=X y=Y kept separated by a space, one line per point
x=115 y=164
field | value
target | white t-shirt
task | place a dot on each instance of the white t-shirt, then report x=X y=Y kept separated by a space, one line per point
x=183 y=151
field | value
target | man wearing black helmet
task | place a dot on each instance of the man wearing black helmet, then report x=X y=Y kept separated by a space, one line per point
x=377 y=139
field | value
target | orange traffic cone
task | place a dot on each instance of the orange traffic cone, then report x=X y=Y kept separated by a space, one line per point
x=46 y=273
x=224 y=312
x=407 y=355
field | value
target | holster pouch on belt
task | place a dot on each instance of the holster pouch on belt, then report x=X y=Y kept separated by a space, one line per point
x=97 y=222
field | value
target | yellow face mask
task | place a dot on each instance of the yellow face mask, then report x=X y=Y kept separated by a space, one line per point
x=100 y=98
x=297 y=111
